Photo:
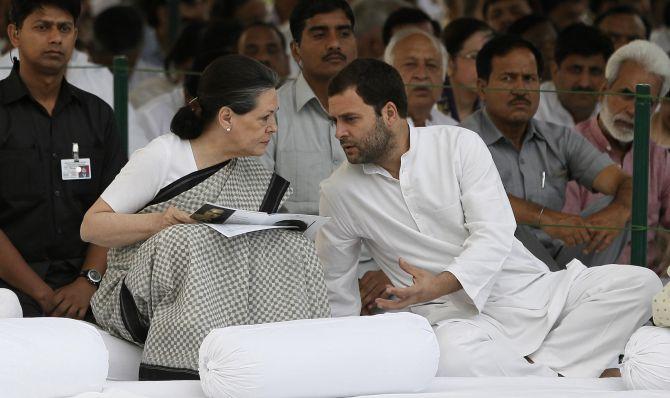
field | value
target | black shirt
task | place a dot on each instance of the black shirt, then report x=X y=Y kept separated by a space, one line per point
x=40 y=213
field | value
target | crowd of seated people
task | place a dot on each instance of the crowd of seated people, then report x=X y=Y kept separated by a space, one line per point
x=473 y=159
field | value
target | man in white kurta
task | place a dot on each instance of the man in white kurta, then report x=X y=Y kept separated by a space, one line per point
x=433 y=197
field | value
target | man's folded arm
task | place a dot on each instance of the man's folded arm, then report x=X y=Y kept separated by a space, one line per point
x=614 y=182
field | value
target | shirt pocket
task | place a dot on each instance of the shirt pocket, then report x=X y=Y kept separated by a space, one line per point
x=445 y=223
x=22 y=177
x=88 y=190
x=552 y=195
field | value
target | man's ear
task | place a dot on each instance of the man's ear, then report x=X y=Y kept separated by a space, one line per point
x=390 y=114
x=554 y=70
x=295 y=53
x=13 y=34
x=481 y=88
x=603 y=88
x=451 y=66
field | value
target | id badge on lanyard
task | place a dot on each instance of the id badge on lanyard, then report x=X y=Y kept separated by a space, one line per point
x=76 y=168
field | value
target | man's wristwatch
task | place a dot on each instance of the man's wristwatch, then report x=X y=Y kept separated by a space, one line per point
x=92 y=276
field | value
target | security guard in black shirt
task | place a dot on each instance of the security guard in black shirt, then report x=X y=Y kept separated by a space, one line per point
x=59 y=149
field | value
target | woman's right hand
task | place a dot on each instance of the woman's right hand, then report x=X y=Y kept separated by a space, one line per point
x=173 y=216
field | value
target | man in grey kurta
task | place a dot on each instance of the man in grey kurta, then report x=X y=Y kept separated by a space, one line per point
x=537 y=159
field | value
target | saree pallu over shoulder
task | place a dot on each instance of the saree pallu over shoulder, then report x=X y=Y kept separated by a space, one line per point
x=169 y=291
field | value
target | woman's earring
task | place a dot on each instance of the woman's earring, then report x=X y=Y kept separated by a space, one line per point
x=228 y=129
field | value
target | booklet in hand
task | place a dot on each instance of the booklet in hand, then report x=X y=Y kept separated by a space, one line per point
x=232 y=222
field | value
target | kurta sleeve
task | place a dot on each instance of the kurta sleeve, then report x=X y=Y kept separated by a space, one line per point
x=488 y=218
x=338 y=249
x=664 y=219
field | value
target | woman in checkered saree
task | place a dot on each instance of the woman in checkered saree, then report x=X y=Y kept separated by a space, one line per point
x=169 y=280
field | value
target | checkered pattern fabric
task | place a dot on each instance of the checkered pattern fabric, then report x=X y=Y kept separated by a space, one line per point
x=189 y=279
x=661 y=307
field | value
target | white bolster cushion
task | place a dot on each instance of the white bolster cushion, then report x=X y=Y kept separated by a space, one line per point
x=9 y=305
x=646 y=362
x=124 y=358
x=50 y=357
x=319 y=358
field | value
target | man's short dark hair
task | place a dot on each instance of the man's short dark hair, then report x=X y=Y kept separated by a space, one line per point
x=459 y=30
x=306 y=9
x=200 y=62
x=499 y=47
x=526 y=23
x=584 y=40
x=549 y=5
x=406 y=16
x=220 y=34
x=489 y=3
x=149 y=9
x=376 y=82
x=22 y=8
x=186 y=46
x=267 y=25
x=624 y=10
x=118 y=29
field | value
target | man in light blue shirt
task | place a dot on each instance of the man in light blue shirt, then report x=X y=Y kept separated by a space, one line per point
x=305 y=150
x=537 y=159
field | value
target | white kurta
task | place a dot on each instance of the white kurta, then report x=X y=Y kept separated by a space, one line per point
x=437 y=118
x=448 y=211
x=155 y=117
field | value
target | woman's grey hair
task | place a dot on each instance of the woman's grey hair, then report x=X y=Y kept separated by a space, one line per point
x=389 y=52
x=649 y=55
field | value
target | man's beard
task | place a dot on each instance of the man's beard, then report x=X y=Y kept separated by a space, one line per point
x=620 y=134
x=376 y=144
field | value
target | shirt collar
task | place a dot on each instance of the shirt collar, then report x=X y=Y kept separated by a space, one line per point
x=15 y=89
x=598 y=135
x=303 y=92
x=490 y=133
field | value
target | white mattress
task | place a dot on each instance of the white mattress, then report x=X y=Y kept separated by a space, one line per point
x=447 y=387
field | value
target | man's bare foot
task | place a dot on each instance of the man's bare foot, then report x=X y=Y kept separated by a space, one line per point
x=611 y=372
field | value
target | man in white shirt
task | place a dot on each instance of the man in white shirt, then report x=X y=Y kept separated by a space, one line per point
x=304 y=150
x=432 y=197
x=421 y=60
x=579 y=66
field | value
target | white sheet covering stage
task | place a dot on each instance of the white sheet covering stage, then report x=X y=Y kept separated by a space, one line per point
x=441 y=387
